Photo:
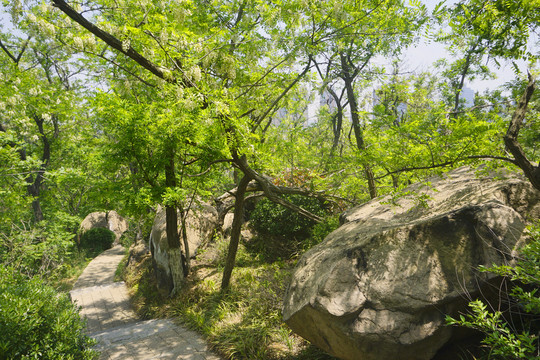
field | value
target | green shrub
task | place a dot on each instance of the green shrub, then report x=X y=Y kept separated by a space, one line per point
x=504 y=337
x=97 y=239
x=273 y=219
x=43 y=249
x=320 y=231
x=36 y=322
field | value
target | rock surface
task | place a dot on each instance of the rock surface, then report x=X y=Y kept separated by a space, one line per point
x=380 y=285
x=227 y=224
x=201 y=222
x=110 y=220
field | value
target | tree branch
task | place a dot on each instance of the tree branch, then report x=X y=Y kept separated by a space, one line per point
x=115 y=43
x=511 y=138
x=277 y=100
x=210 y=167
x=270 y=190
x=8 y=53
x=446 y=163
x=23 y=49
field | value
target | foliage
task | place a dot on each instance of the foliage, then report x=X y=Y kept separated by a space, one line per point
x=320 y=231
x=97 y=239
x=273 y=219
x=38 y=323
x=44 y=250
x=506 y=339
x=129 y=237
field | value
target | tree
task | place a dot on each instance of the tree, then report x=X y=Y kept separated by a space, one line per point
x=355 y=35
x=499 y=30
x=224 y=76
x=40 y=102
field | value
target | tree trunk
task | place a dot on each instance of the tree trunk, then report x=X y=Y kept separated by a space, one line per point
x=235 y=232
x=353 y=105
x=34 y=183
x=183 y=216
x=176 y=263
x=464 y=72
x=337 y=120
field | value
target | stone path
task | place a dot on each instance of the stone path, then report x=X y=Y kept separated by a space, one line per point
x=112 y=321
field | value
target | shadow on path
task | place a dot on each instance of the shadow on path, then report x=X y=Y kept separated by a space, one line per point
x=111 y=320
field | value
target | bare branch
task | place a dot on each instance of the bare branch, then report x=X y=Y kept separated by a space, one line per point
x=102 y=56
x=210 y=167
x=256 y=83
x=23 y=49
x=446 y=163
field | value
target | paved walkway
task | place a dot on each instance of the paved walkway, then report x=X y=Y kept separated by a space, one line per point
x=112 y=321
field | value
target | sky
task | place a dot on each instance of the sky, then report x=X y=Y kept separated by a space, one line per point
x=422 y=57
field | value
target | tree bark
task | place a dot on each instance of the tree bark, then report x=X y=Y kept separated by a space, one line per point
x=35 y=182
x=235 y=232
x=531 y=171
x=176 y=262
x=271 y=191
x=353 y=105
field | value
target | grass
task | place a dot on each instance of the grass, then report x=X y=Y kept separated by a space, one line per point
x=65 y=280
x=242 y=323
x=148 y=300
x=121 y=269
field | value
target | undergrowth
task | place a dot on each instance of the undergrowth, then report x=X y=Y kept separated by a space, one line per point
x=148 y=300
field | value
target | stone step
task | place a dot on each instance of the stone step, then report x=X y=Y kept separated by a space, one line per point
x=80 y=291
x=139 y=340
x=104 y=306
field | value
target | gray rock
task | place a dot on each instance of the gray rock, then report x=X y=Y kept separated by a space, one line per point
x=110 y=220
x=380 y=285
x=227 y=224
x=137 y=252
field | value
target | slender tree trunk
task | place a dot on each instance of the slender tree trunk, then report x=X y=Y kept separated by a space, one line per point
x=353 y=105
x=463 y=75
x=183 y=216
x=176 y=263
x=337 y=120
x=34 y=182
x=235 y=232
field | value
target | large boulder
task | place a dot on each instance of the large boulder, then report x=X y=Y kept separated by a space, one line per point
x=110 y=220
x=379 y=286
x=201 y=223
